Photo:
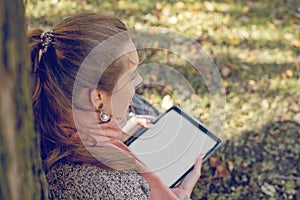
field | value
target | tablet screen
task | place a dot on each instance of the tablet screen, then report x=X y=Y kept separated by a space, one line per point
x=171 y=147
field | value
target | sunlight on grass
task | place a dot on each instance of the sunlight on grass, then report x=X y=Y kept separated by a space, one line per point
x=256 y=45
x=243 y=39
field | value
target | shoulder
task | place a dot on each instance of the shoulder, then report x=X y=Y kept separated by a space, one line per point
x=70 y=181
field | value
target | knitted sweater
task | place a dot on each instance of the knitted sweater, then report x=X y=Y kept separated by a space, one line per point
x=74 y=181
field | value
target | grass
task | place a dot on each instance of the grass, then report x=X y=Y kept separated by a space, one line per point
x=256 y=46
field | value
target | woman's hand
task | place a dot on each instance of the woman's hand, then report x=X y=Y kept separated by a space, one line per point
x=135 y=123
x=191 y=178
x=144 y=120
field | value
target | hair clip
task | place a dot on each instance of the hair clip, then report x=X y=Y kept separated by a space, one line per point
x=46 y=39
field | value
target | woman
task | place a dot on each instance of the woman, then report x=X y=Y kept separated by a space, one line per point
x=81 y=120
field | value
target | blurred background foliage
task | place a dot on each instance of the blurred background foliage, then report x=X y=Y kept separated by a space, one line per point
x=256 y=46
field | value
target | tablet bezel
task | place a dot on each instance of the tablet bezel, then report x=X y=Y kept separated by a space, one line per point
x=195 y=123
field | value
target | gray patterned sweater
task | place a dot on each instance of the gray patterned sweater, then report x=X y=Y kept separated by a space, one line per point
x=74 y=181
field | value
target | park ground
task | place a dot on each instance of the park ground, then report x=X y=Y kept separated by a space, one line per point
x=256 y=47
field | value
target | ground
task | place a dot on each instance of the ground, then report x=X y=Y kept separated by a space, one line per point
x=255 y=45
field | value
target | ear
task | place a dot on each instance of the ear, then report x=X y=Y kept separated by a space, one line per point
x=95 y=97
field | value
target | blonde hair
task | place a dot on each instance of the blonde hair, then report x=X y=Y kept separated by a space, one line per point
x=54 y=75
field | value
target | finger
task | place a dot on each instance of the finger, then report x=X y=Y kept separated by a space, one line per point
x=144 y=122
x=198 y=165
x=150 y=117
x=148 y=125
x=199 y=160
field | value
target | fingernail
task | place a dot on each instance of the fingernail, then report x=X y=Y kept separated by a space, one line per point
x=150 y=125
x=149 y=121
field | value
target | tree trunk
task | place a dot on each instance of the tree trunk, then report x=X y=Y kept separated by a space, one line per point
x=21 y=174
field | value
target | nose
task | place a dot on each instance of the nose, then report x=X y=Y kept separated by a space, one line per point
x=138 y=80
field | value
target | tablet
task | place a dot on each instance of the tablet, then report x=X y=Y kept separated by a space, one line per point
x=171 y=147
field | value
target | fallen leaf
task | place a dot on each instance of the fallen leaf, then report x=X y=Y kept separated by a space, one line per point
x=265 y=104
x=158 y=6
x=251 y=82
x=232 y=65
x=209 y=7
x=179 y=5
x=297 y=118
x=283 y=75
x=289 y=73
x=268 y=189
x=225 y=84
x=221 y=171
x=245 y=19
x=244 y=34
x=244 y=165
x=225 y=71
x=165 y=51
x=271 y=26
x=288 y=36
x=214 y=161
x=296 y=43
x=196 y=8
x=246 y=9
x=153 y=78
x=246 y=67
x=172 y=20
x=230 y=166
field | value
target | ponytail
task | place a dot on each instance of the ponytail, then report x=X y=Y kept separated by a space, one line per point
x=48 y=100
x=54 y=72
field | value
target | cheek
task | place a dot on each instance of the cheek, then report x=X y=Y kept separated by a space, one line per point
x=130 y=94
x=124 y=96
x=138 y=80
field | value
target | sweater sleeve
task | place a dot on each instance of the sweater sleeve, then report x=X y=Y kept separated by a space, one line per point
x=90 y=182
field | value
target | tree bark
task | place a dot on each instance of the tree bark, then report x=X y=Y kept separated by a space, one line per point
x=21 y=174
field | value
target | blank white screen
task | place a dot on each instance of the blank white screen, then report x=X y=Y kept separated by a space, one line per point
x=171 y=147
